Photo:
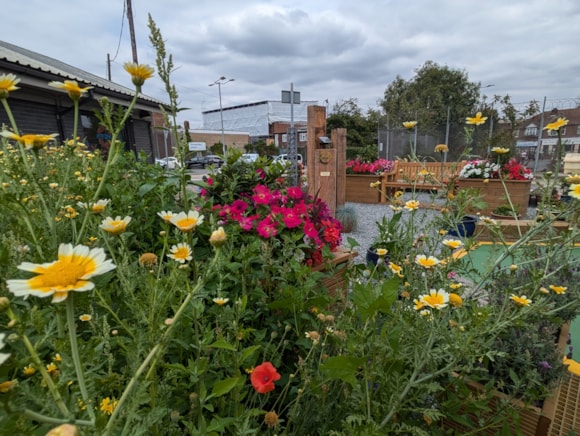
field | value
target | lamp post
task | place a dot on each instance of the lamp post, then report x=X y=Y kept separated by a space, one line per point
x=219 y=82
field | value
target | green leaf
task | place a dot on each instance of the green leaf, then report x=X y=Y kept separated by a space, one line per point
x=248 y=352
x=222 y=387
x=223 y=345
x=342 y=367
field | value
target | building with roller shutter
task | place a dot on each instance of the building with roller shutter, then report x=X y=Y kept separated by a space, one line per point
x=41 y=109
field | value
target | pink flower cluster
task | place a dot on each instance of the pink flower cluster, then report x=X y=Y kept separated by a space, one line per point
x=269 y=212
x=356 y=166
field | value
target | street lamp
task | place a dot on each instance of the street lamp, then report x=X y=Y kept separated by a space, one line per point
x=219 y=82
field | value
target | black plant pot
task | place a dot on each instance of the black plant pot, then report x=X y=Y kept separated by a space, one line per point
x=465 y=228
x=373 y=257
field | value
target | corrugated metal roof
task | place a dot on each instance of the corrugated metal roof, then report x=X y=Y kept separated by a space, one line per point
x=36 y=61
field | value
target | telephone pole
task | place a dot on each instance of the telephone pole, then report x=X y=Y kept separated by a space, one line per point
x=132 y=31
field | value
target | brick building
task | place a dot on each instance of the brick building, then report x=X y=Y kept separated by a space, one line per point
x=532 y=131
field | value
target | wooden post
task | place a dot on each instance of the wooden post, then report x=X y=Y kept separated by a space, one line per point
x=315 y=128
x=338 y=138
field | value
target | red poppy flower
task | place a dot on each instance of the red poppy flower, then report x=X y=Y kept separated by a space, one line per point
x=263 y=377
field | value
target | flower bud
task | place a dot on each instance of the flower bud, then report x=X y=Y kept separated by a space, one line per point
x=4 y=303
x=218 y=237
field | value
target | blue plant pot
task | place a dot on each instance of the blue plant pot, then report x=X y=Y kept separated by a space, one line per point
x=465 y=228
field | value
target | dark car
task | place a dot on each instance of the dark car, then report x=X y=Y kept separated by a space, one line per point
x=213 y=159
x=195 y=162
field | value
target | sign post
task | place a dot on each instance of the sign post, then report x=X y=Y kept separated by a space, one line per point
x=292 y=98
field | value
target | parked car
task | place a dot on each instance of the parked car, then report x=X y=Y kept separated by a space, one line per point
x=196 y=161
x=213 y=159
x=250 y=157
x=169 y=162
x=284 y=158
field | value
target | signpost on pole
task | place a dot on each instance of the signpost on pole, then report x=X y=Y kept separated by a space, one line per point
x=292 y=98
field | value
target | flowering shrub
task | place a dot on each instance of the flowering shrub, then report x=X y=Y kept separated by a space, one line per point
x=485 y=169
x=379 y=166
x=269 y=209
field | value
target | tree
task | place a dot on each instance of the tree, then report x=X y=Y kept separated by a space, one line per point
x=428 y=96
x=361 y=130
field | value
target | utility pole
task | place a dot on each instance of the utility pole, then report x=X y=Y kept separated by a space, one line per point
x=132 y=31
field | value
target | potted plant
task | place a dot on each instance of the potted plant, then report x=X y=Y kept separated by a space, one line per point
x=506 y=212
x=359 y=177
x=497 y=179
x=346 y=215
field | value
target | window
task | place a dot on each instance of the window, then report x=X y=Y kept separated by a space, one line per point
x=285 y=137
x=302 y=137
x=555 y=132
x=531 y=130
x=578 y=129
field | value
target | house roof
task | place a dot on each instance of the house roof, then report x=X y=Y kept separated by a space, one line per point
x=29 y=60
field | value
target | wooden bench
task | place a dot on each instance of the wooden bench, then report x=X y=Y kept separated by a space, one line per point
x=419 y=176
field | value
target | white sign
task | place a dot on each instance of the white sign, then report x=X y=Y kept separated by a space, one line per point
x=197 y=146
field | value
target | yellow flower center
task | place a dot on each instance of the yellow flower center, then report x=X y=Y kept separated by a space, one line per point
x=63 y=275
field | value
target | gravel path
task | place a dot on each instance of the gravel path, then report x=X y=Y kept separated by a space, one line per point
x=368 y=214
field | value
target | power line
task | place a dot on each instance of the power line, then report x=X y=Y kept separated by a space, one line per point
x=121 y=33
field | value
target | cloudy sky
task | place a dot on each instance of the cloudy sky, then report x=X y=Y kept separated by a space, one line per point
x=329 y=49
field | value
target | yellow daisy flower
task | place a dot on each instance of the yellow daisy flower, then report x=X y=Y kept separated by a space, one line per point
x=220 y=301
x=426 y=262
x=181 y=252
x=455 y=286
x=477 y=119
x=85 y=317
x=148 y=259
x=139 y=73
x=437 y=299
x=165 y=215
x=75 y=265
x=412 y=205
x=574 y=191
x=521 y=301
x=441 y=148
x=187 y=222
x=455 y=300
x=115 y=226
x=396 y=269
x=107 y=405
x=560 y=122
x=452 y=243
x=382 y=252
x=29 y=371
x=558 y=289
x=8 y=83
x=500 y=150
x=99 y=206
x=30 y=141
x=75 y=92
x=409 y=124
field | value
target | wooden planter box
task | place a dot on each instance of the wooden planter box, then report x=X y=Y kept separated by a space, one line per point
x=494 y=193
x=358 y=188
x=534 y=421
x=336 y=282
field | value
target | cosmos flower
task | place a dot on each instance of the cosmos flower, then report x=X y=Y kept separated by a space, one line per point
x=71 y=272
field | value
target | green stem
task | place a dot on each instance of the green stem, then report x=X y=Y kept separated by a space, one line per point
x=46 y=376
x=35 y=416
x=70 y=318
x=155 y=352
x=10 y=115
